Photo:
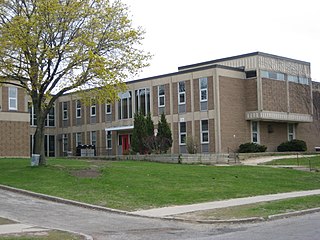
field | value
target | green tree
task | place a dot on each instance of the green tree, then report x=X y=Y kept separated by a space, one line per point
x=51 y=47
x=149 y=125
x=139 y=133
x=164 y=135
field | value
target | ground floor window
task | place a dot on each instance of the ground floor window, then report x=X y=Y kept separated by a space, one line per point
x=291 y=131
x=204 y=131
x=109 y=140
x=255 y=135
x=182 y=133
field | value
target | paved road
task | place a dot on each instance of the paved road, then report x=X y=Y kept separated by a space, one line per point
x=105 y=225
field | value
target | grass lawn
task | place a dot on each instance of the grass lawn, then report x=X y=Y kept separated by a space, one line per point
x=131 y=185
x=305 y=161
x=263 y=209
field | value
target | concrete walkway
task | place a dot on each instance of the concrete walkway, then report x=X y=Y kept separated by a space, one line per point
x=168 y=211
x=19 y=228
x=260 y=160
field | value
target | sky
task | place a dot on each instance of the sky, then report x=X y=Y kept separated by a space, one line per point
x=183 y=32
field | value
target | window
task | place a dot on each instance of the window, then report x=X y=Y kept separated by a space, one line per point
x=64 y=110
x=203 y=82
x=109 y=140
x=50 y=118
x=93 y=108
x=304 y=80
x=49 y=145
x=108 y=108
x=78 y=109
x=143 y=101
x=255 y=138
x=296 y=79
x=293 y=79
x=65 y=143
x=291 y=132
x=272 y=75
x=181 y=93
x=125 y=105
x=78 y=139
x=33 y=117
x=204 y=131
x=183 y=133
x=93 y=138
x=13 y=98
x=161 y=96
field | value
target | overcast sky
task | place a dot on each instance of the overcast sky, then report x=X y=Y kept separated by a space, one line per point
x=182 y=32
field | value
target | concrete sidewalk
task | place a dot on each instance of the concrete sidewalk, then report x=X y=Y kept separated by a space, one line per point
x=169 y=211
x=19 y=228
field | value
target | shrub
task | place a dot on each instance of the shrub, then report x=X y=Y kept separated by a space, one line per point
x=251 y=148
x=294 y=145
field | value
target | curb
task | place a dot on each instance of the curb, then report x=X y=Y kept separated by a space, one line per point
x=293 y=214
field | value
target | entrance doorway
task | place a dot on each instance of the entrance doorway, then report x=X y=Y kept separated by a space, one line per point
x=125 y=144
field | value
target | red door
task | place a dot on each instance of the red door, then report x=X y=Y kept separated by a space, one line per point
x=125 y=144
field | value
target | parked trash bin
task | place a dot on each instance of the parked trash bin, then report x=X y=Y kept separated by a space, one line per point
x=35 y=160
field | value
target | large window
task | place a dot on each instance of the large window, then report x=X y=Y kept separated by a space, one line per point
x=78 y=139
x=33 y=116
x=109 y=140
x=255 y=137
x=49 y=145
x=182 y=133
x=204 y=131
x=291 y=132
x=203 y=82
x=161 y=96
x=13 y=98
x=65 y=145
x=64 y=110
x=93 y=138
x=125 y=105
x=143 y=100
x=78 y=109
x=272 y=75
x=50 y=118
x=298 y=79
x=181 y=92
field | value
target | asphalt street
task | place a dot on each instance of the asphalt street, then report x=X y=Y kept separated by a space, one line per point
x=106 y=225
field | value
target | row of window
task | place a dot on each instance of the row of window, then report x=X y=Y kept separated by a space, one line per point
x=281 y=77
x=255 y=132
x=204 y=134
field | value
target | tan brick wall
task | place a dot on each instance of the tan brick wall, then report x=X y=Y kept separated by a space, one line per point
x=175 y=98
x=299 y=98
x=210 y=94
x=211 y=136
x=15 y=139
x=197 y=137
x=175 y=137
x=234 y=128
x=251 y=94
x=274 y=95
x=167 y=94
x=272 y=134
x=196 y=97
x=155 y=100
x=188 y=96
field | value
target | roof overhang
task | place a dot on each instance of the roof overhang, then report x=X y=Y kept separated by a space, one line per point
x=270 y=116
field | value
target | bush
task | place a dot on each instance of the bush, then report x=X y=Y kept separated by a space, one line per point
x=293 y=146
x=251 y=148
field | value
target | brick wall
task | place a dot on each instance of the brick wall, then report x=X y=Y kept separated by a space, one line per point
x=272 y=134
x=299 y=98
x=274 y=95
x=251 y=94
x=14 y=140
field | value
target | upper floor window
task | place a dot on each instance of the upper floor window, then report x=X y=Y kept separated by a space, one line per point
x=204 y=131
x=298 y=79
x=13 y=98
x=108 y=108
x=161 y=96
x=255 y=136
x=143 y=100
x=78 y=109
x=291 y=132
x=182 y=92
x=50 y=118
x=124 y=105
x=272 y=75
x=203 y=82
x=33 y=116
x=65 y=110
x=93 y=108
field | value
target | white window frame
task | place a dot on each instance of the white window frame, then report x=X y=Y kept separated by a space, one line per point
x=255 y=132
x=182 y=134
x=110 y=107
x=109 y=140
x=65 y=143
x=291 y=135
x=161 y=96
x=203 y=89
x=78 y=139
x=78 y=109
x=50 y=117
x=182 y=93
x=93 y=109
x=93 y=138
x=204 y=131
x=147 y=100
x=13 y=98
x=64 y=110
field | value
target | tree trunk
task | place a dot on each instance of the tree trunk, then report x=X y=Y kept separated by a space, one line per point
x=38 y=147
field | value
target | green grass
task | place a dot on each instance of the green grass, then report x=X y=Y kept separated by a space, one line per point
x=48 y=235
x=305 y=161
x=264 y=209
x=131 y=185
